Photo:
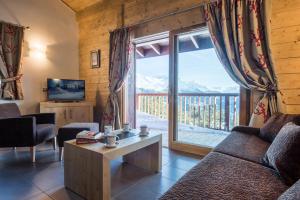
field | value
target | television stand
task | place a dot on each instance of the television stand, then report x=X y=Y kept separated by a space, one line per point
x=71 y=101
x=68 y=112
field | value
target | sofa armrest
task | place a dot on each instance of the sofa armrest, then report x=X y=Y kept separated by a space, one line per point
x=247 y=130
x=43 y=118
x=18 y=132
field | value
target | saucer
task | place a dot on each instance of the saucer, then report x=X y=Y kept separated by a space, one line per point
x=143 y=134
x=111 y=146
x=124 y=131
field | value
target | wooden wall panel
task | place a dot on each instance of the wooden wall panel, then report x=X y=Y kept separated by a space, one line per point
x=286 y=52
x=281 y=5
x=96 y=21
x=286 y=35
x=287 y=65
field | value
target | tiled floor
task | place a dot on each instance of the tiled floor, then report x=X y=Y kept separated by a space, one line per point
x=22 y=180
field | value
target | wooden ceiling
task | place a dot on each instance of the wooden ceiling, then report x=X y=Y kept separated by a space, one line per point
x=193 y=41
x=78 y=5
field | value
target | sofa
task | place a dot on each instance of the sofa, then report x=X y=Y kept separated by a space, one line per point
x=237 y=168
x=25 y=130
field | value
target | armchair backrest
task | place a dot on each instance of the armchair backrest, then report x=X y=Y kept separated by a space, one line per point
x=9 y=110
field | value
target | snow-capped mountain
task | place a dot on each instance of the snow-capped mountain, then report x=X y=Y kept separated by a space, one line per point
x=149 y=84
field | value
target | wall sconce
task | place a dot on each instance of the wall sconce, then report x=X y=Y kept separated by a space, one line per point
x=37 y=50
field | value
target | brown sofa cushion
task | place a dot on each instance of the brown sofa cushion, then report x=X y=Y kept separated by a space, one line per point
x=271 y=128
x=220 y=176
x=293 y=193
x=284 y=153
x=243 y=145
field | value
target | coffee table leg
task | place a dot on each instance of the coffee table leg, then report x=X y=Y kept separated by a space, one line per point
x=87 y=173
x=148 y=158
x=105 y=179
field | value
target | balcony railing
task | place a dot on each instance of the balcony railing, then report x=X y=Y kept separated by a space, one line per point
x=211 y=110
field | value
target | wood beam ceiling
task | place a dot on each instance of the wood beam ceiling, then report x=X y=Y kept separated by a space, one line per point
x=194 y=42
x=140 y=51
x=156 y=48
x=78 y=5
x=187 y=43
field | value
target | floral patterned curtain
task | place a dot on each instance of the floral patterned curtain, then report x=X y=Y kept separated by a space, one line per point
x=240 y=34
x=121 y=56
x=11 y=40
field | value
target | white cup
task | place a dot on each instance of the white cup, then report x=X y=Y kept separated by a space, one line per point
x=126 y=127
x=144 y=130
x=111 y=140
x=107 y=129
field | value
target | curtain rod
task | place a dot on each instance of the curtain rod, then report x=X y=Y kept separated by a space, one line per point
x=25 y=27
x=165 y=15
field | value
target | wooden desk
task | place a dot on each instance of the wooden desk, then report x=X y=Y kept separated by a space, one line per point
x=87 y=167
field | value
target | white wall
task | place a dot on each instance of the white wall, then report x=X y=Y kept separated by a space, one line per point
x=53 y=27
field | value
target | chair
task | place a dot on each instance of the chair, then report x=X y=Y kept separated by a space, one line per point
x=27 y=130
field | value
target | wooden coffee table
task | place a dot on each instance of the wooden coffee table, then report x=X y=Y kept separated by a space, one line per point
x=87 y=167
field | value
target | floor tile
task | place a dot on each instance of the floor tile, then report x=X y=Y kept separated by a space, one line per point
x=148 y=189
x=48 y=178
x=40 y=196
x=125 y=175
x=172 y=173
x=158 y=183
x=140 y=193
x=165 y=160
x=183 y=164
x=120 y=185
x=61 y=193
x=130 y=172
x=13 y=190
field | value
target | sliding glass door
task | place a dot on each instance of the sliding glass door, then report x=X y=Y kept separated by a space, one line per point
x=182 y=91
x=204 y=99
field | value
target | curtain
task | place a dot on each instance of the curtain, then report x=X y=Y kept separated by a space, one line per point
x=121 y=57
x=241 y=36
x=11 y=40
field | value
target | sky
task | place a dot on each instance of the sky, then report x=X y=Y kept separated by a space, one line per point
x=202 y=66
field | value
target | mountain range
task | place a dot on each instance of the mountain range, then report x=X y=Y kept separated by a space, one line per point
x=159 y=84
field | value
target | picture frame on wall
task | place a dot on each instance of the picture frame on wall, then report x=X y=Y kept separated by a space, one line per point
x=95 y=58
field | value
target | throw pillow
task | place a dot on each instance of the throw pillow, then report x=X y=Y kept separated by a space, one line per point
x=292 y=193
x=271 y=128
x=284 y=153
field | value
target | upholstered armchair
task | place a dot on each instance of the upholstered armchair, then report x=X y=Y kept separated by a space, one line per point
x=27 y=130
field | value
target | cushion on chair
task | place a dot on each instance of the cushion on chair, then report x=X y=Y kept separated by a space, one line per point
x=44 y=132
x=89 y=126
x=220 y=176
x=9 y=110
x=284 y=153
x=246 y=146
x=293 y=193
x=69 y=131
x=271 y=128
x=65 y=134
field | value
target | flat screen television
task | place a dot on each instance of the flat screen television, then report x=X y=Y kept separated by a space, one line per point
x=65 y=90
